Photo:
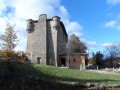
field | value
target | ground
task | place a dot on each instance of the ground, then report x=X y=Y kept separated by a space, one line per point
x=44 y=77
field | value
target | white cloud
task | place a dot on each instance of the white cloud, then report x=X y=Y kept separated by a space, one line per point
x=18 y=11
x=104 y=45
x=74 y=27
x=91 y=43
x=113 y=2
x=64 y=13
x=113 y=24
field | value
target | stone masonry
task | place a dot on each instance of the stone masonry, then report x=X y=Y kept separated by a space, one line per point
x=47 y=39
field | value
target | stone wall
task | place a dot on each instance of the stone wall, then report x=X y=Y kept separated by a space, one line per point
x=56 y=40
x=46 y=41
x=51 y=48
x=36 y=45
x=30 y=44
x=40 y=47
x=76 y=61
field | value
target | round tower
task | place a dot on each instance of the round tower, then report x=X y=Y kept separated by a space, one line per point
x=56 y=22
x=30 y=25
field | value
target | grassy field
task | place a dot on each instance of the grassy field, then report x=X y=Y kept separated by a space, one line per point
x=62 y=75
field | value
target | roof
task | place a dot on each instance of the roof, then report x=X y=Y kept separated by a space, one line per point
x=74 y=54
x=63 y=28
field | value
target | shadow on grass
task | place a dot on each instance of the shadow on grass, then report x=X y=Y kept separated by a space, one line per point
x=26 y=77
x=53 y=78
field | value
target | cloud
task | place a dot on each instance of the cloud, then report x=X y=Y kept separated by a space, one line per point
x=91 y=43
x=18 y=11
x=112 y=24
x=104 y=45
x=113 y=2
x=74 y=27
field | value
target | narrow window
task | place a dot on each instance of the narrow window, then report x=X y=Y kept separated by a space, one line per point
x=74 y=60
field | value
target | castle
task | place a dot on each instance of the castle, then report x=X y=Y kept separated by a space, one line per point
x=47 y=39
x=46 y=43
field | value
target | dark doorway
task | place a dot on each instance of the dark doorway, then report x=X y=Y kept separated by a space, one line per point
x=63 y=62
x=38 y=60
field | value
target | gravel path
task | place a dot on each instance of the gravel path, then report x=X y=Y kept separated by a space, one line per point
x=103 y=72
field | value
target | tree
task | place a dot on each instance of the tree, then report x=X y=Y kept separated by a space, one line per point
x=9 y=40
x=73 y=46
x=113 y=51
x=98 y=58
x=92 y=59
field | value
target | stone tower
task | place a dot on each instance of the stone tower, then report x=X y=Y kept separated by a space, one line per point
x=47 y=39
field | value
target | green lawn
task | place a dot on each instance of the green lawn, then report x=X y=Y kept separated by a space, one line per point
x=55 y=74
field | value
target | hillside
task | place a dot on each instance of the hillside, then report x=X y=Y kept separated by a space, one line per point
x=44 y=77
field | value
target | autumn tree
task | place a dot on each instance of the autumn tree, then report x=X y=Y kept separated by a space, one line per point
x=8 y=41
x=92 y=59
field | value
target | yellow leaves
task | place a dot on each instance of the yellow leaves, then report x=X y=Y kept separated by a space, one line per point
x=9 y=39
x=17 y=57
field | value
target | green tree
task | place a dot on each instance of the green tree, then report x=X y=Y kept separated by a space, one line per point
x=98 y=58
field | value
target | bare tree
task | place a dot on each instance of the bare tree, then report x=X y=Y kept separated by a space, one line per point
x=113 y=51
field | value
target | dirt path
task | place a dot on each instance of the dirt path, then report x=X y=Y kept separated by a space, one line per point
x=103 y=72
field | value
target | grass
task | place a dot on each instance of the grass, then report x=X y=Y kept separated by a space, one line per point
x=62 y=75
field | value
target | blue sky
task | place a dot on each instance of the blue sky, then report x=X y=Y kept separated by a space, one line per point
x=96 y=22
x=99 y=18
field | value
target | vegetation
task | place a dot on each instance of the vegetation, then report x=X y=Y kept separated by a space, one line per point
x=74 y=45
x=51 y=73
x=92 y=60
x=98 y=58
x=112 y=52
x=9 y=40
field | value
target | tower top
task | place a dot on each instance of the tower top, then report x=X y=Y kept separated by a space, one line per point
x=56 y=18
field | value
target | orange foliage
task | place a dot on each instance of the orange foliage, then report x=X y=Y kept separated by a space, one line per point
x=17 y=57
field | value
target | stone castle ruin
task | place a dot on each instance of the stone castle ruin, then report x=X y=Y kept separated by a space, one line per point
x=46 y=44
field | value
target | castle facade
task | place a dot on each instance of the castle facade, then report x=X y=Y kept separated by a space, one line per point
x=47 y=39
